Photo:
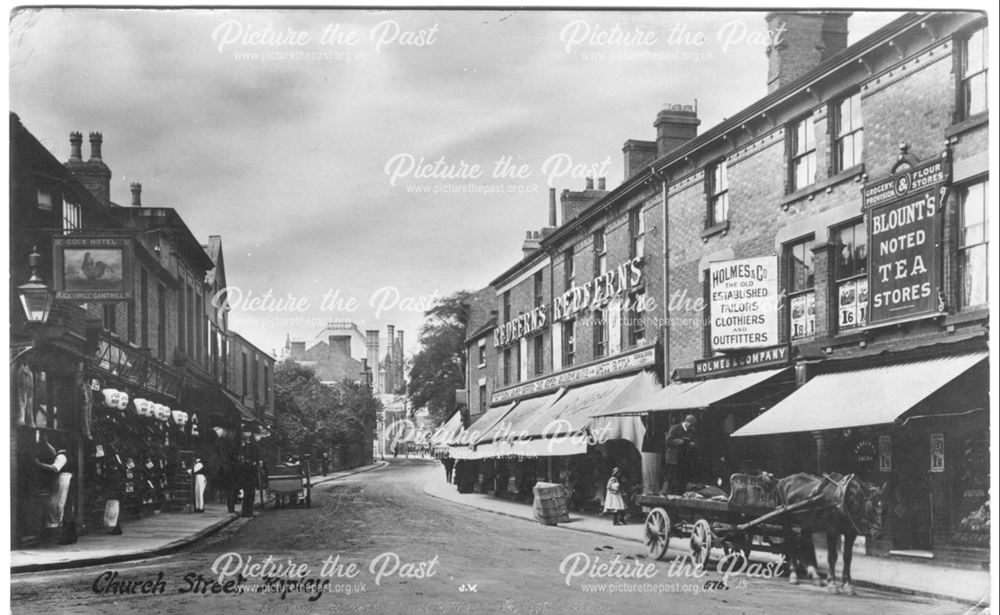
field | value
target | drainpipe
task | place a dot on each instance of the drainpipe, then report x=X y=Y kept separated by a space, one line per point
x=662 y=177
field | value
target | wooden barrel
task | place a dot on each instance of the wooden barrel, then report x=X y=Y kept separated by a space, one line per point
x=550 y=504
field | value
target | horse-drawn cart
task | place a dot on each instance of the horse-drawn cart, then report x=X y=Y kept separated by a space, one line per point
x=291 y=481
x=750 y=519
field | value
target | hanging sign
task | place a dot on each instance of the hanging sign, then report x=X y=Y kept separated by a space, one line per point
x=905 y=213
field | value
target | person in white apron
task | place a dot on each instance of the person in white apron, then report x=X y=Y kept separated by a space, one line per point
x=200 y=482
x=613 y=502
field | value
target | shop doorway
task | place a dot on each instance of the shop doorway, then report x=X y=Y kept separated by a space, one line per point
x=910 y=500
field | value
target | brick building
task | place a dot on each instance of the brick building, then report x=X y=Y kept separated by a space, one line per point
x=127 y=373
x=818 y=267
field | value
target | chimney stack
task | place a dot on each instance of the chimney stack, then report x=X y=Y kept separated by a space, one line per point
x=75 y=141
x=601 y=183
x=371 y=343
x=390 y=365
x=638 y=154
x=95 y=145
x=298 y=350
x=400 y=369
x=675 y=125
x=93 y=174
x=590 y=183
x=136 y=194
x=802 y=40
x=552 y=207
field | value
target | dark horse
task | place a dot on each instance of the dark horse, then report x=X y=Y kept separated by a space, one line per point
x=847 y=506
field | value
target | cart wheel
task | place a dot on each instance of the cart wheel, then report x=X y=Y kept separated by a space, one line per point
x=657 y=533
x=701 y=543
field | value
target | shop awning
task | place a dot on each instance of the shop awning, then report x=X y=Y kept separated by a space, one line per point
x=696 y=395
x=443 y=434
x=873 y=396
x=653 y=402
x=475 y=432
x=245 y=415
x=512 y=426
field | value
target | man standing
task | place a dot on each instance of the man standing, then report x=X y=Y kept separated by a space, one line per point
x=681 y=455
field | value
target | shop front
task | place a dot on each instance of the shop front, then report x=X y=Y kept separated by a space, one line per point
x=546 y=429
x=917 y=427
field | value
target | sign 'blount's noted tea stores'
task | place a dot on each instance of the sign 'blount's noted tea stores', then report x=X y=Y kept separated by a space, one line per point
x=905 y=212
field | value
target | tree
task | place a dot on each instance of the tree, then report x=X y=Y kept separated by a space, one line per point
x=438 y=369
x=313 y=417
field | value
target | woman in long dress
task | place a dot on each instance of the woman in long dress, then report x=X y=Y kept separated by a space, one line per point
x=613 y=502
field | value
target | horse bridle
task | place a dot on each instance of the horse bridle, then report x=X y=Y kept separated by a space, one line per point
x=841 y=499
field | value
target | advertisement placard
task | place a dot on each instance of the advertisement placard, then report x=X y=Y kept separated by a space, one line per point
x=744 y=303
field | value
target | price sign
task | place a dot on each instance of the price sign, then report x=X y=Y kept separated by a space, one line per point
x=937 y=452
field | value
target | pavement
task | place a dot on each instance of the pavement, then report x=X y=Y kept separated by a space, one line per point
x=150 y=536
x=888 y=574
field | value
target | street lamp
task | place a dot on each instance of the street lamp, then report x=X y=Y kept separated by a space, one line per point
x=36 y=297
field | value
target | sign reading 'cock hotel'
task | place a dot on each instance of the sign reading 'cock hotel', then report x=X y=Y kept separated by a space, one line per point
x=904 y=234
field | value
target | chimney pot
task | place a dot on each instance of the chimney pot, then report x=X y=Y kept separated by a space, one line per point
x=136 y=194
x=675 y=125
x=552 y=207
x=590 y=183
x=75 y=140
x=95 y=145
x=601 y=183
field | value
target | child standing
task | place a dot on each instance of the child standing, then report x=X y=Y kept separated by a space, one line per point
x=613 y=502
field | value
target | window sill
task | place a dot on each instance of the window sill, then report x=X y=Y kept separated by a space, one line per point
x=970 y=315
x=966 y=125
x=716 y=229
x=856 y=172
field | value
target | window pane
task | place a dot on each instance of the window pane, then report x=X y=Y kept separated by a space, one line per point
x=801 y=266
x=974 y=276
x=810 y=134
x=975 y=94
x=975 y=53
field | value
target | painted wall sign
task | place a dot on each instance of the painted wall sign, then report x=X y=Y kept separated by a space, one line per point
x=937 y=452
x=600 y=369
x=599 y=291
x=517 y=328
x=744 y=359
x=743 y=303
x=904 y=215
x=92 y=268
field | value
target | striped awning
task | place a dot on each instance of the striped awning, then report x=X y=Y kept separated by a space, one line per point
x=873 y=396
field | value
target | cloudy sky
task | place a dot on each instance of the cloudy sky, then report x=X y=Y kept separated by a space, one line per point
x=298 y=135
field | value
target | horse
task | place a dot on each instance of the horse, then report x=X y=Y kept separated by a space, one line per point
x=848 y=507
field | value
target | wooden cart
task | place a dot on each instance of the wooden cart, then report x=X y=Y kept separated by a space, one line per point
x=751 y=519
x=292 y=482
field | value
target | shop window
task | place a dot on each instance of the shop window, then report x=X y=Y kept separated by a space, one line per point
x=71 y=216
x=851 y=269
x=143 y=308
x=799 y=284
x=539 y=285
x=974 y=57
x=717 y=189
x=973 y=245
x=568 y=342
x=637 y=233
x=848 y=133
x=600 y=253
x=539 y=353
x=506 y=366
x=600 y=334
x=161 y=324
x=569 y=268
x=802 y=146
